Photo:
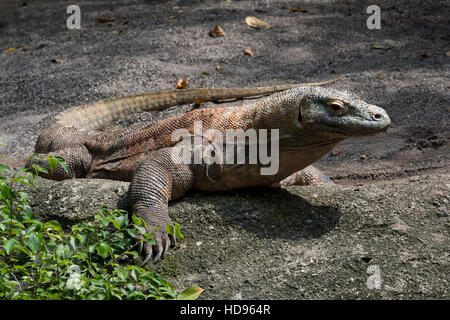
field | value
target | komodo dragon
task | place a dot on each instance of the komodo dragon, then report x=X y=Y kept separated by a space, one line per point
x=311 y=120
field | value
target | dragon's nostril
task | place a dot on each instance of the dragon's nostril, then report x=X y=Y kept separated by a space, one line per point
x=377 y=116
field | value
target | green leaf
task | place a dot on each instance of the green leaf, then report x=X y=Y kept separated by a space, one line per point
x=54 y=236
x=73 y=242
x=191 y=293
x=4 y=167
x=134 y=275
x=24 y=250
x=14 y=223
x=10 y=245
x=60 y=251
x=33 y=243
x=23 y=180
x=137 y=221
x=123 y=220
x=140 y=229
x=170 y=229
x=53 y=162
x=119 y=235
x=21 y=269
x=115 y=223
x=54 y=225
x=133 y=233
x=178 y=231
x=103 y=249
x=136 y=295
x=133 y=253
x=175 y=230
x=37 y=169
x=205 y=74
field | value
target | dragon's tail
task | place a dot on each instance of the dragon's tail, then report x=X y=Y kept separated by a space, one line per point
x=79 y=121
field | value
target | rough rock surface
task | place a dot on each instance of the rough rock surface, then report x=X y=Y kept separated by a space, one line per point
x=294 y=243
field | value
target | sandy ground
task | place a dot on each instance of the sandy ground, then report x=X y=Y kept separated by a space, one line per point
x=151 y=44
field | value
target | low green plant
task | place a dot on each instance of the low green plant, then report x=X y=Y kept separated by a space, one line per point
x=38 y=260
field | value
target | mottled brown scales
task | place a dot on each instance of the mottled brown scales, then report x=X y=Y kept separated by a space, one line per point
x=310 y=121
x=118 y=163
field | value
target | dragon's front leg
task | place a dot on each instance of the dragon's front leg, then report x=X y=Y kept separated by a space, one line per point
x=157 y=180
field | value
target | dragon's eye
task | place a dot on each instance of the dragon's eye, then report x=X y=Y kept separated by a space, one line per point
x=336 y=106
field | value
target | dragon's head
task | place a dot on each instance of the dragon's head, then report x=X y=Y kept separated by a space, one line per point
x=309 y=116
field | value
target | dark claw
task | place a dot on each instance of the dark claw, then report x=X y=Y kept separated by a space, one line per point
x=173 y=241
x=148 y=253
x=141 y=247
x=158 y=248
x=166 y=247
x=173 y=238
x=147 y=259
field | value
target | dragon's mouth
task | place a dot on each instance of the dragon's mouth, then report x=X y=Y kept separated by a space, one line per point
x=343 y=130
x=300 y=144
x=315 y=134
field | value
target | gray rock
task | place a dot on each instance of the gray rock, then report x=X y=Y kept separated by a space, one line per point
x=387 y=240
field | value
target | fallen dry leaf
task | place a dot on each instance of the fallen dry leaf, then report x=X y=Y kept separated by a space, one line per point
x=182 y=84
x=336 y=150
x=113 y=31
x=171 y=17
x=447 y=53
x=256 y=23
x=248 y=52
x=217 y=31
x=298 y=10
x=197 y=102
x=12 y=49
x=424 y=56
x=54 y=60
x=108 y=19
x=218 y=67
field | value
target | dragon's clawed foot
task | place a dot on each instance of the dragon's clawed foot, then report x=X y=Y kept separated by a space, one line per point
x=158 y=250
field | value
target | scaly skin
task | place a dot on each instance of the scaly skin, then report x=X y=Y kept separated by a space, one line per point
x=310 y=120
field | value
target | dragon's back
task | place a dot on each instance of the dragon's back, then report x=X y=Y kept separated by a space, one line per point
x=116 y=153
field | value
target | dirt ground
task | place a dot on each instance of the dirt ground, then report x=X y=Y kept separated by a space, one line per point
x=151 y=44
